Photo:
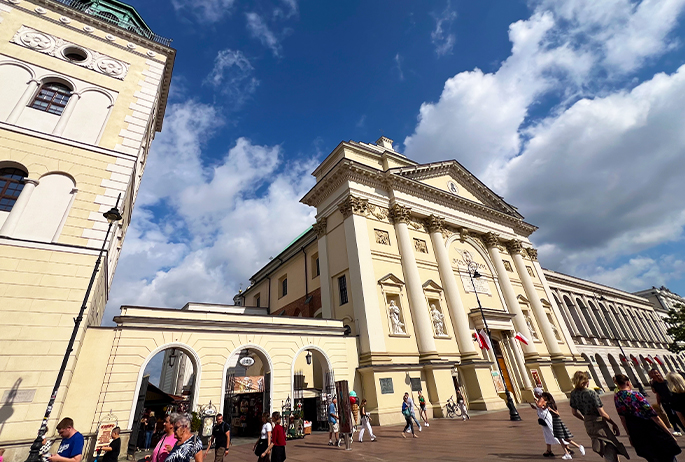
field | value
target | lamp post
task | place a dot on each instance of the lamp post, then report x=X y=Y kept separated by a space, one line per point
x=113 y=215
x=513 y=412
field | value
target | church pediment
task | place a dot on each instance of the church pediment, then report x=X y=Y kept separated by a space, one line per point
x=390 y=280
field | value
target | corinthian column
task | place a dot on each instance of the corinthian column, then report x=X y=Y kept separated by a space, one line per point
x=417 y=301
x=515 y=248
x=460 y=320
x=367 y=312
x=492 y=243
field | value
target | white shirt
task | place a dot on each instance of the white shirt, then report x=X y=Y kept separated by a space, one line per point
x=410 y=402
x=265 y=429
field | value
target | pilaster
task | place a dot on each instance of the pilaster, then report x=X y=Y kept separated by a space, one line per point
x=324 y=272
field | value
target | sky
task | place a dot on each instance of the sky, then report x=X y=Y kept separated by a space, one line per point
x=572 y=110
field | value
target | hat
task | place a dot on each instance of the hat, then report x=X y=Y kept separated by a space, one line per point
x=353 y=393
x=537 y=391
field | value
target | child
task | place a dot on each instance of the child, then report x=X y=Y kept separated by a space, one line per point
x=560 y=431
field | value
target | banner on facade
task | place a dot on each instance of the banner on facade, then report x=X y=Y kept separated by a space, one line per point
x=104 y=436
x=499 y=383
x=253 y=384
x=536 y=378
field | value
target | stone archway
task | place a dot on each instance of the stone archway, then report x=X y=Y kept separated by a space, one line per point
x=593 y=372
x=614 y=365
x=608 y=378
x=640 y=370
x=312 y=382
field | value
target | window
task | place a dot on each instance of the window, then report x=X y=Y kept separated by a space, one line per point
x=316 y=270
x=11 y=184
x=52 y=97
x=342 y=288
x=284 y=286
x=257 y=301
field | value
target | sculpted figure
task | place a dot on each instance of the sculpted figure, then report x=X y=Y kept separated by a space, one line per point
x=532 y=330
x=397 y=325
x=438 y=321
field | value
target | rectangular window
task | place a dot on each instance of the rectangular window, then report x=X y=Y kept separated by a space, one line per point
x=316 y=271
x=342 y=288
x=283 y=286
x=257 y=301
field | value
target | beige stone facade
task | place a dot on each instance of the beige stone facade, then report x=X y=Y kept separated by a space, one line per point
x=76 y=154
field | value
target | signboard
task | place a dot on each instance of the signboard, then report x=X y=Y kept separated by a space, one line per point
x=497 y=380
x=386 y=386
x=536 y=378
x=253 y=384
x=482 y=286
x=246 y=361
x=104 y=436
x=18 y=396
x=416 y=384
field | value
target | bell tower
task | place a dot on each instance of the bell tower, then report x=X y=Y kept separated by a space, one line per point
x=83 y=93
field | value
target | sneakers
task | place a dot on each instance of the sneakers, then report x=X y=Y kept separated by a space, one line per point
x=582 y=450
x=330 y=443
x=427 y=424
x=548 y=454
x=419 y=427
x=567 y=457
x=339 y=443
x=409 y=430
x=677 y=434
x=372 y=439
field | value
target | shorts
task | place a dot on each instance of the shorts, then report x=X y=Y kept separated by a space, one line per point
x=333 y=427
x=423 y=407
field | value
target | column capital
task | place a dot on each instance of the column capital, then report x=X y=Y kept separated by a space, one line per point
x=353 y=205
x=435 y=224
x=30 y=181
x=400 y=214
x=514 y=246
x=532 y=253
x=463 y=234
x=320 y=227
x=491 y=239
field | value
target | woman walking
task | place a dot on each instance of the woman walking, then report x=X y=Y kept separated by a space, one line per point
x=461 y=404
x=545 y=420
x=422 y=408
x=406 y=412
x=559 y=428
x=676 y=384
x=166 y=442
x=365 y=422
x=188 y=447
x=646 y=431
x=262 y=447
x=587 y=406
x=278 y=441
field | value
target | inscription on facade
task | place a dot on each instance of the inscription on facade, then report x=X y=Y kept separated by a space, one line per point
x=482 y=286
x=386 y=386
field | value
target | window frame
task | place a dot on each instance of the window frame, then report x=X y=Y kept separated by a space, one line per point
x=51 y=103
x=283 y=286
x=9 y=181
x=343 y=297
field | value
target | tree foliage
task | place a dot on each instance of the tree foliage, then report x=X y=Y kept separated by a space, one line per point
x=676 y=322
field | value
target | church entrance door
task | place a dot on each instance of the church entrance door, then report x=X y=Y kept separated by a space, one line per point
x=497 y=347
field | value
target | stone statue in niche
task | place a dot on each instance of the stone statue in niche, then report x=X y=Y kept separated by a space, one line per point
x=438 y=321
x=397 y=326
x=532 y=330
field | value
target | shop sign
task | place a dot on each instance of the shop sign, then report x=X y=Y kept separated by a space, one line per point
x=246 y=361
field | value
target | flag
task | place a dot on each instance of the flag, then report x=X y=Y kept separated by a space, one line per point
x=521 y=338
x=485 y=339
x=634 y=360
x=479 y=339
x=649 y=359
x=623 y=358
x=659 y=360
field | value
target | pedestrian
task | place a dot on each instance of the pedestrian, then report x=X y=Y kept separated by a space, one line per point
x=113 y=449
x=545 y=421
x=221 y=435
x=422 y=408
x=166 y=443
x=647 y=433
x=365 y=422
x=333 y=423
x=71 y=447
x=663 y=398
x=406 y=412
x=2 y=455
x=412 y=408
x=262 y=448
x=587 y=406
x=676 y=384
x=461 y=404
x=559 y=428
x=278 y=441
x=150 y=425
x=189 y=446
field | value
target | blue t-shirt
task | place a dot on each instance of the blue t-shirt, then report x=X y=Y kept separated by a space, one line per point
x=331 y=410
x=71 y=447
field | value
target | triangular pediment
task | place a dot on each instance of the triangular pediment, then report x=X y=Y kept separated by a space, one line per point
x=432 y=285
x=391 y=280
x=451 y=177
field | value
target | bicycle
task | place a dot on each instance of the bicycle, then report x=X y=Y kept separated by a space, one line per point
x=451 y=408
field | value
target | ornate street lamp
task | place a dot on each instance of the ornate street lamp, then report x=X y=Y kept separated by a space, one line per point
x=309 y=357
x=513 y=412
x=113 y=216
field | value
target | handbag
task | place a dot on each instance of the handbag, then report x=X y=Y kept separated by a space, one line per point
x=542 y=422
x=406 y=412
x=260 y=448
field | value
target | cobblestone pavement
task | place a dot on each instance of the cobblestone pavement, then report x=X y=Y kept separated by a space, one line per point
x=488 y=437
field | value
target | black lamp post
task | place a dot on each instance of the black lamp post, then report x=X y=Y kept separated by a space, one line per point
x=513 y=412
x=113 y=215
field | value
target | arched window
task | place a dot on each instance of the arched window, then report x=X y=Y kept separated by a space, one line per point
x=11 y=184
x=52 y=97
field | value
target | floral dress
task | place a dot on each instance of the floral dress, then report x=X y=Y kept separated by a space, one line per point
x=632 y=403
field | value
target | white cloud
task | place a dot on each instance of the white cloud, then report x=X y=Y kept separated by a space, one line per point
x=362 y=121
x=599 y=173
x=639 y=273
x=441 y=36
x=259 y=29
x=233 y=75
x=212 y=228
x=206 y=11
x=398 y=65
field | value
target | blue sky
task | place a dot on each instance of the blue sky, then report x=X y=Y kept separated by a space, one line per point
x=572 y=110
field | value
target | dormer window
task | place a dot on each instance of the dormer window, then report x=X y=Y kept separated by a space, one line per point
x=52 y=97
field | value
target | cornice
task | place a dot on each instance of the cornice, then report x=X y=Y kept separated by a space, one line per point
x=564 y=283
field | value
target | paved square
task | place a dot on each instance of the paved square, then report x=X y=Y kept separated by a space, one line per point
x=488 y=437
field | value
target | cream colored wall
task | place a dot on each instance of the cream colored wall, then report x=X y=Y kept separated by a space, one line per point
x=440 y=182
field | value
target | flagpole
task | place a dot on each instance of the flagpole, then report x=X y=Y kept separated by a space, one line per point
x=513 y=412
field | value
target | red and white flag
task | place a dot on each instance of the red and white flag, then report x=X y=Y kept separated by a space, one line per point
x=521 y=338
x=623 y=358
x=649 y=359
x=659 y=360
x=635 y=361
x=479 y=339
x=485 y=339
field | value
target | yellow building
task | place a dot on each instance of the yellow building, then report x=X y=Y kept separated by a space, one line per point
x=392 y=256
x=83 y=91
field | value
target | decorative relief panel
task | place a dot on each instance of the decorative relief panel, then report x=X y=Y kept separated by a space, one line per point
x=382 y=237
x=507 y=266
x=530 y=271
x=378 y=212
x=420 y=245
x=56 y=47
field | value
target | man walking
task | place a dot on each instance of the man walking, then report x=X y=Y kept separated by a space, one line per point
x=333 y=423
x=412 y=408
x=71 y=447
x=663 y=398
x=221 y=435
